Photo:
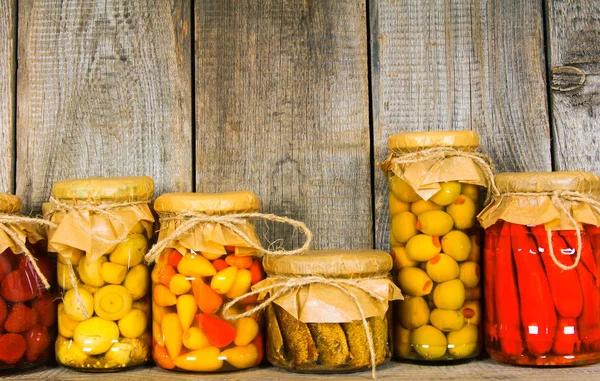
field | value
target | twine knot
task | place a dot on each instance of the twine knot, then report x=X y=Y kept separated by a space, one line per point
x=234 y=222
x=285 y=285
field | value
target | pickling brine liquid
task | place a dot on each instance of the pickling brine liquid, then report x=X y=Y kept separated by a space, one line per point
x=538 y=313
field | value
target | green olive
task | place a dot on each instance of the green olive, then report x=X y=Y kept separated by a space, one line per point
x=423 y=247
x=401 y=260
x=449 y=295
x=429 y=342
x=463 y=342
x=457 y=245
x=475 y=254
x=414 y=281
x=424 y=205
x=469 y=274
x=471 y=310
x=442 y=268
x=402 y=345
x=413 y=312
x=434 y=222
x=403 y=226
x=470 y=190
x=462 y=211
x=447 y=320
x=396 y=205
x=448 y=192
x=402 y=189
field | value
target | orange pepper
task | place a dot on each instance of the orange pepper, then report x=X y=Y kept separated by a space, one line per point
x=219 y=264
x=165 y=274
x=260 y=346
x=174 y=258
x=161 y=357
x=163 y=296
x=256 y=271
x=230 y=249
x=208 y=300
x=218 y=331
x=241 y=262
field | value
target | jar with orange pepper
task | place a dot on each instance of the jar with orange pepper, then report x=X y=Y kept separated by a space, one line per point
x=435 y=181
x=27 y=287
x=205 y=257
x=542 y=269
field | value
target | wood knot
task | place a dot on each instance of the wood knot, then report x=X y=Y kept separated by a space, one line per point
x=567 y=78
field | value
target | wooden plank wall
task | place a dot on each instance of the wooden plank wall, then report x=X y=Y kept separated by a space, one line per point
x=293 y=100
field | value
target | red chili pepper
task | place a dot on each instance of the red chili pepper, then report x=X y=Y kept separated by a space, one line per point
x=587 y=257
x=506 y=296
x=593 y=232
x=174 y=258
x=564 y=285
x=566 y=338
x=218 y=331
x=490 y=247
x=537 y=309
x=589 y=320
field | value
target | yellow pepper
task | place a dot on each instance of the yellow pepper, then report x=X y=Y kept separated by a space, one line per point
x=186 y=309
x=202 y=360
x=172 y=332
x=241 y=357
x=246 y=330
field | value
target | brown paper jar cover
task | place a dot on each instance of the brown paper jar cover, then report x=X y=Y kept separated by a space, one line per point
x=414 y=141
x=526 y=198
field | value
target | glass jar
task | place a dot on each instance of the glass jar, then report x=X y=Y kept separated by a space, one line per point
x=542 y=290
x=317 y=325
x=101 y=237
x=199 y=269
x=435 y=180
x=27 y=307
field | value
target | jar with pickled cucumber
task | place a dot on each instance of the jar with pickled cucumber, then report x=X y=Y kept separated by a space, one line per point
x=317 y=326
x=202 y=262
x=27 y=290
x=435 y=183
x=103 y=227
x=542 y=269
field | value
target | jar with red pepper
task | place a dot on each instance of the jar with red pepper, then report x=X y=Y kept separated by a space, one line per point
x=542 y=269
x=435 y=180
x=205 y=257
x=27 y=286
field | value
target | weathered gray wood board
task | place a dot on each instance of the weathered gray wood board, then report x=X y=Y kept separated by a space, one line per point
x=282 y=110
x=574 y=59
x=440 y=65
x=103 y=90
x=480 y=369
x=8 y=23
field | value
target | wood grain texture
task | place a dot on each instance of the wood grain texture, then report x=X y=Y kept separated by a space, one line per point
x=453 y=65
x=574 y=62
x=8 y=29
x=104 y=89
x=282 y=110
x=478 y=369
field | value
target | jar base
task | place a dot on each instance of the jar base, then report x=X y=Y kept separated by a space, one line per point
x=546 y=360
x=101 y=370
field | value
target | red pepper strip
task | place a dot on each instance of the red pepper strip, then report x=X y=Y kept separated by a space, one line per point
x=506 y=296
x=587 y=257
x=566 y=338
x=594 y=233
x=537 y=309
x=564 y=285
x=490 y=246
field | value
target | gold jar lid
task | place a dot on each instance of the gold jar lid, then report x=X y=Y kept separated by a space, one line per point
x=116 y=189
x=414 y=141
x=543 y=182
x=330 y=263
x=209 y=203
x=10 y=203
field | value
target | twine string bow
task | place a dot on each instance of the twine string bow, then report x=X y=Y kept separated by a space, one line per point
x=234 y=222
x=286 y=285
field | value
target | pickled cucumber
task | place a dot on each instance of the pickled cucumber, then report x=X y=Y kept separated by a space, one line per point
x=434 y=222
x=447 y=320
x=449 y=295
x=462 y=211
x=448 y=192
x=423 y=247
x=429 y=342
x=421 y=206
x=457 y=245
x=402 y=189
x=415 y=282
x=463 y=342
x=413 y=312
x=442 y=268
x=469 y=274
x=403 y=226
